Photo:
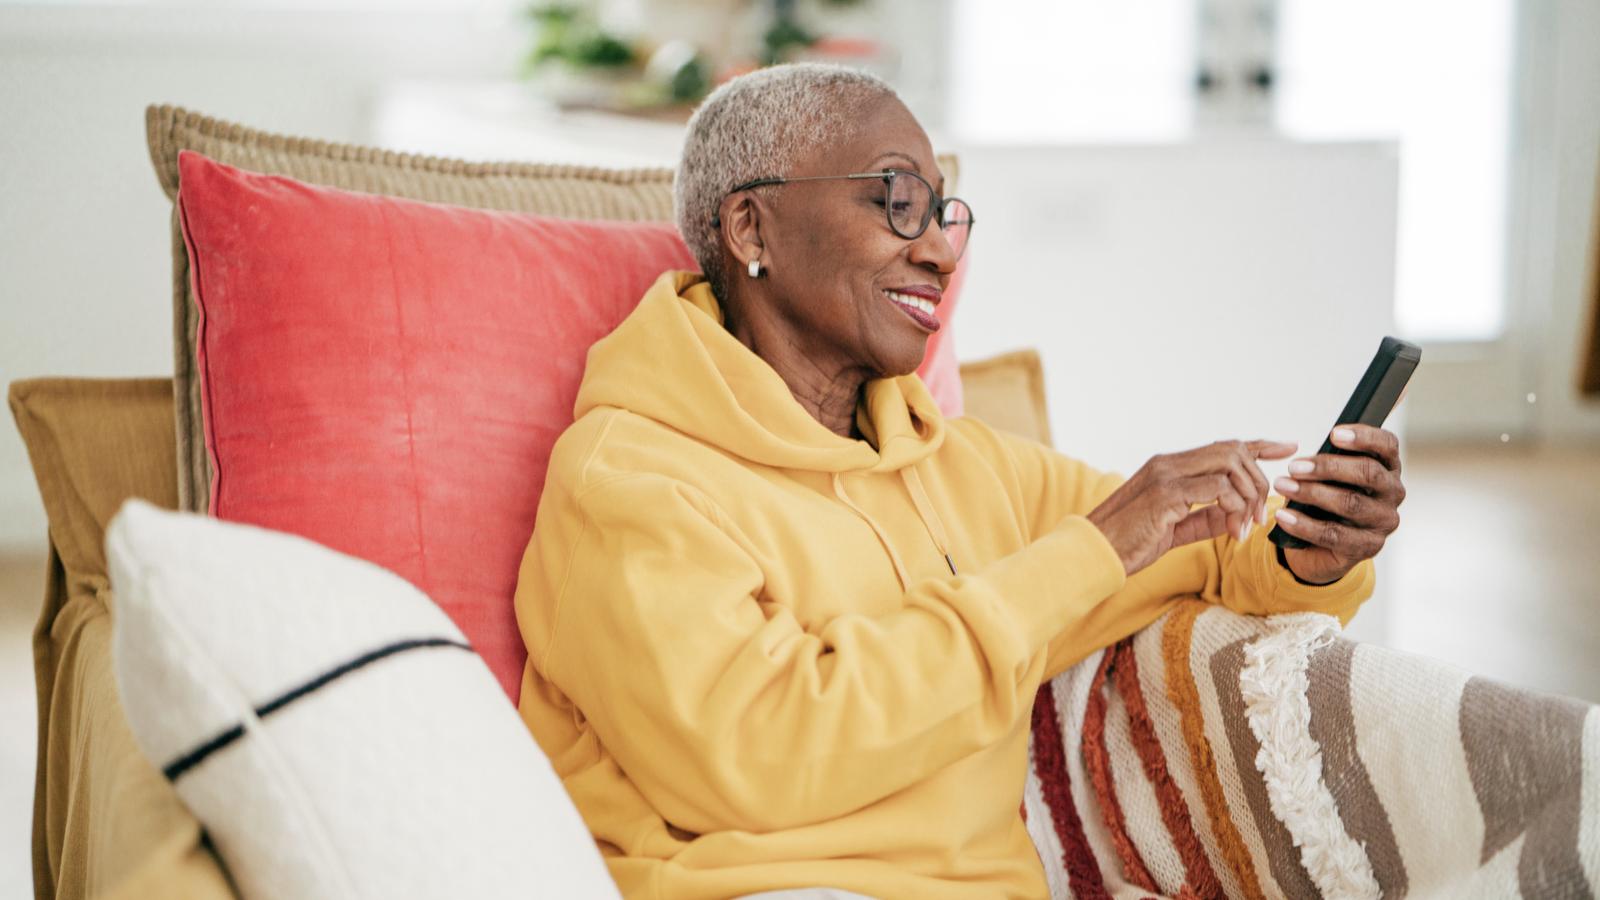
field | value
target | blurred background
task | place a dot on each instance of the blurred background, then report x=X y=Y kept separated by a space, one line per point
x=1204 y=214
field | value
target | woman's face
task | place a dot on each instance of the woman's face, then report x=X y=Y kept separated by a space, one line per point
x=835 y=267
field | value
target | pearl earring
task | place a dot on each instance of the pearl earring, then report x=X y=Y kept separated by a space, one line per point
x=754 y=268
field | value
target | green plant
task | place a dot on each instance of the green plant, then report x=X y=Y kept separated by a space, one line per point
x=785 y=36
x=691 y=82
x=568 y=33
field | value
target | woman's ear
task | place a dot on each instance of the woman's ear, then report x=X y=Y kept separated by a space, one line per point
x=739 y=227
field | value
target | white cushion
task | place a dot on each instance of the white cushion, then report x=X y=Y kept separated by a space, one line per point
x=371 y=753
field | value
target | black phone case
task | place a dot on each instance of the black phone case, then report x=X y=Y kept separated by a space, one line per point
x=1374 y=397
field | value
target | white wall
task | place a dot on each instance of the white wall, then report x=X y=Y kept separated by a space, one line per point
x=1183 y=293
x=85 y=277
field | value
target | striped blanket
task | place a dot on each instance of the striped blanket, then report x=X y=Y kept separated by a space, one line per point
x=1217 y=755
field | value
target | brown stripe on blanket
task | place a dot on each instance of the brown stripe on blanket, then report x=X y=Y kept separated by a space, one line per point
x=1201 y=880
x=1055 y=784
x=1524 y=755
x=1333 y=727
x=1097 y=760
x=1284 y=856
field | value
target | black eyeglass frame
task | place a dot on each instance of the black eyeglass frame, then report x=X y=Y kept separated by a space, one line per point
x=935 y=209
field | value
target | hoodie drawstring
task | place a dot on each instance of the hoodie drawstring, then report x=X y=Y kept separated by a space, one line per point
x=925 y=511
x=930 y=519
x=899 y=567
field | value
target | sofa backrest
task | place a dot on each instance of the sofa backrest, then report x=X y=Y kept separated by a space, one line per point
x=1007 y=391
x=96 y=442
x=105 y=821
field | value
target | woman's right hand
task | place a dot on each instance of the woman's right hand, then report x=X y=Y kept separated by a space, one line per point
x=1150 y=513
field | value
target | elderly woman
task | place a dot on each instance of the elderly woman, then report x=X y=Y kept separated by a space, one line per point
x=785 y=622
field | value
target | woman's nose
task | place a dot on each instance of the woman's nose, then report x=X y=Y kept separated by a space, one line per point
x=932 y=248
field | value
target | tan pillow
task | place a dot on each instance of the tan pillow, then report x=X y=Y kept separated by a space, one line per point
x=1007 y=392
x=104 y=819
x=577 y=192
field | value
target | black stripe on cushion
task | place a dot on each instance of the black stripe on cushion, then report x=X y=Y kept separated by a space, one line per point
x=175 y=769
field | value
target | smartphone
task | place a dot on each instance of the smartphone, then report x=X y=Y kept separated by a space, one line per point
x=1375 y=395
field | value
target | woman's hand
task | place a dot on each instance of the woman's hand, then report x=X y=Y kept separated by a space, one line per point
x=1150 y=513
x=1367 y=500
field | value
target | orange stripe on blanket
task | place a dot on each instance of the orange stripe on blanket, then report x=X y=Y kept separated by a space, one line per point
x=1185 y=696
x=1200 y=879
x=1098 y=761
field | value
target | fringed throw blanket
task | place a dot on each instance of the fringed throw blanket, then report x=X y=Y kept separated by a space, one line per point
x=1217 y=755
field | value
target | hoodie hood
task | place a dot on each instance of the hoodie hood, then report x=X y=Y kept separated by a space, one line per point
x=673 y=361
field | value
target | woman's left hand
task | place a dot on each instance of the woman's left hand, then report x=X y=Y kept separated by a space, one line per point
x=1367 y=500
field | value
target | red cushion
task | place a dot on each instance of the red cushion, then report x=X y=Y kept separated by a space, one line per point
x=387 y=376
x=939 y=370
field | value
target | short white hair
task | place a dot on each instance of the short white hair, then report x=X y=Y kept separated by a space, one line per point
x=759 y=125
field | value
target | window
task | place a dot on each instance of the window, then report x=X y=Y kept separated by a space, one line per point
x=1436 y=75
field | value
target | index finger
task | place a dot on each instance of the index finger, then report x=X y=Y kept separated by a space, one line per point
x=1383 y=444
x=1264 y=449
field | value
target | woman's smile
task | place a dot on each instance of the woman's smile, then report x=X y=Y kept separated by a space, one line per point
x=918 y=304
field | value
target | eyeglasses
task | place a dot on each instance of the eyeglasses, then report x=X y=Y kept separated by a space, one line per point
x=909 y=203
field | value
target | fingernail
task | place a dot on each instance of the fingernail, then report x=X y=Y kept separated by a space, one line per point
x=1344 y=435
x=1286 y=485
x=1301 y=466
x=1244 y=531
x=1261 y=515
x=1287 y=518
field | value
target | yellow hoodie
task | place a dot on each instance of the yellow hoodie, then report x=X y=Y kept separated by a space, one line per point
x=762 y=655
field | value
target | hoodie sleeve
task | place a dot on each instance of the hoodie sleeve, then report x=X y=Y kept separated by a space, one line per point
x=639 y=604
x=1242 y=576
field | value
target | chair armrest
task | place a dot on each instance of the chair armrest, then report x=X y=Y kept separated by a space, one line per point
x=106 y=823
